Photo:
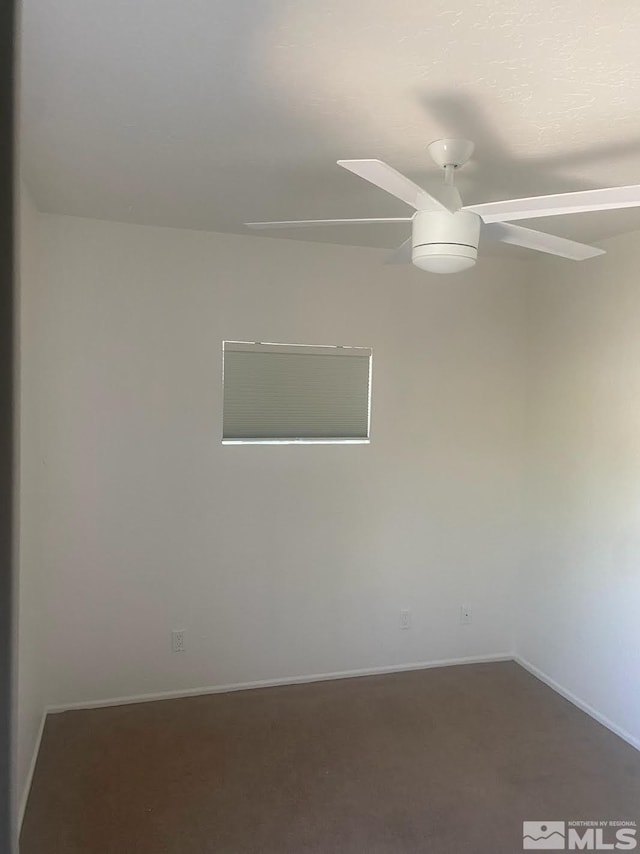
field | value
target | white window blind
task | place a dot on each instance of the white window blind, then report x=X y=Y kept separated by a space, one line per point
x=286 y=392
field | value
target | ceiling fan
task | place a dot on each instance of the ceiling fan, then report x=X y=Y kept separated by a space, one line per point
x=445 y=234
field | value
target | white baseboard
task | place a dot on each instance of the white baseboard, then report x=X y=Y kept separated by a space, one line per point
x=581 y=704
x=273 y=683
x=32 y=767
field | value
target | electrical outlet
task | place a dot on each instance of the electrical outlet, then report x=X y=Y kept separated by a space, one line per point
x=405 y=618
x=177 y=641
x=465 y=615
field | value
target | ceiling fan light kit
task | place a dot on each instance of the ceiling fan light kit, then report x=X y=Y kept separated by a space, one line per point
x=444 y=242
x=445 y=234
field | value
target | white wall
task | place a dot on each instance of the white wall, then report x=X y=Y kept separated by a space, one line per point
x=580 y=591
x=282 y=561
x=276 y=560
x=30 y=670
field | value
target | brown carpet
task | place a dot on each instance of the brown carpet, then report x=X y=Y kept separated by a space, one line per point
x=448 y=761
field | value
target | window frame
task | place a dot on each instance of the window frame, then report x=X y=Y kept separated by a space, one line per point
x=364 y=440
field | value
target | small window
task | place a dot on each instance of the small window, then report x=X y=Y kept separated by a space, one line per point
x=295 y=393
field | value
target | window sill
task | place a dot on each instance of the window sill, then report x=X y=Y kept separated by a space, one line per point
x=296 y=441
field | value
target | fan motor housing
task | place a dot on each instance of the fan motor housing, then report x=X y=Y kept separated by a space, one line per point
x=444 y=242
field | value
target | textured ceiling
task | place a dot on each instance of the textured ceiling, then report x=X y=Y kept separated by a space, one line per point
x=207 y=113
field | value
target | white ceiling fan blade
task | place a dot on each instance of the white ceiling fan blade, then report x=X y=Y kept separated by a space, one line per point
x=307 y=223
x=402 y=255
x=539 y=240
x=562 y=203
x=449 y=196
x=394 y=182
